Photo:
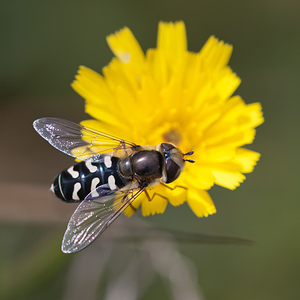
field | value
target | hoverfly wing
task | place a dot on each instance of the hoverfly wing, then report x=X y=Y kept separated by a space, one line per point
x=200 y=238
x=92 y=217
x=76 y=140
x=141 y=234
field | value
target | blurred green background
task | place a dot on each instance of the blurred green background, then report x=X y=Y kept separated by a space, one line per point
x=42 y=45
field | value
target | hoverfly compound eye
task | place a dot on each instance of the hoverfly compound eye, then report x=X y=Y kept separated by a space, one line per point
x=167 y=147
x=174 y=162
x=172 y=171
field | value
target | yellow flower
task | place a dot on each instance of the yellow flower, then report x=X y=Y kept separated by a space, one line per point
x=172 y=95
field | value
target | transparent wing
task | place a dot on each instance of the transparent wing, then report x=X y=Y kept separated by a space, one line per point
x=76 y=140
x=92 y=217
x=201 y=238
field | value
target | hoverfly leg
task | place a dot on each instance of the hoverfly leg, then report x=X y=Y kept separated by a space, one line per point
x=147 y=195
x=131 y=204
x=155 y=194
x=129 y=193
x=121 y=146
x=173 y=188
x=125 y=196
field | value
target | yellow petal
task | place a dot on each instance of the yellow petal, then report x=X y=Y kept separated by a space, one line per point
x=218 y=153
x=117 y=74
x=215 y=53
x=226 y=83
x=200 y=203
x=102 y=114
x=158 y=202
x=254 y=111
x=124 y=45
x=99 y=99
x=198 y=176
x=158 y=69
x=89 y=84
x=235 y=126
x=247 y=159
x=227 y=174
x=230 y=180
x=133 y=207
x=172 y=42
x=177 y=194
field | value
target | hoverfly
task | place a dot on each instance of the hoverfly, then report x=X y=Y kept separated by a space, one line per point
x=111 y=175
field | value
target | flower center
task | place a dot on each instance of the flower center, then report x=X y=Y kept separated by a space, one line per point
x=172 y=136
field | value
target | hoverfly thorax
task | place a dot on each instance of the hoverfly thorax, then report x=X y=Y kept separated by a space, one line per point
x=145 y=165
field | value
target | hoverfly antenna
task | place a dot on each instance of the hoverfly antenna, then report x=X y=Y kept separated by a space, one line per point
x=189 y=153
x=189 y=160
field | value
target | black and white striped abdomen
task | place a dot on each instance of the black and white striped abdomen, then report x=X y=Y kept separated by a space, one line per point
x=76 y=182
